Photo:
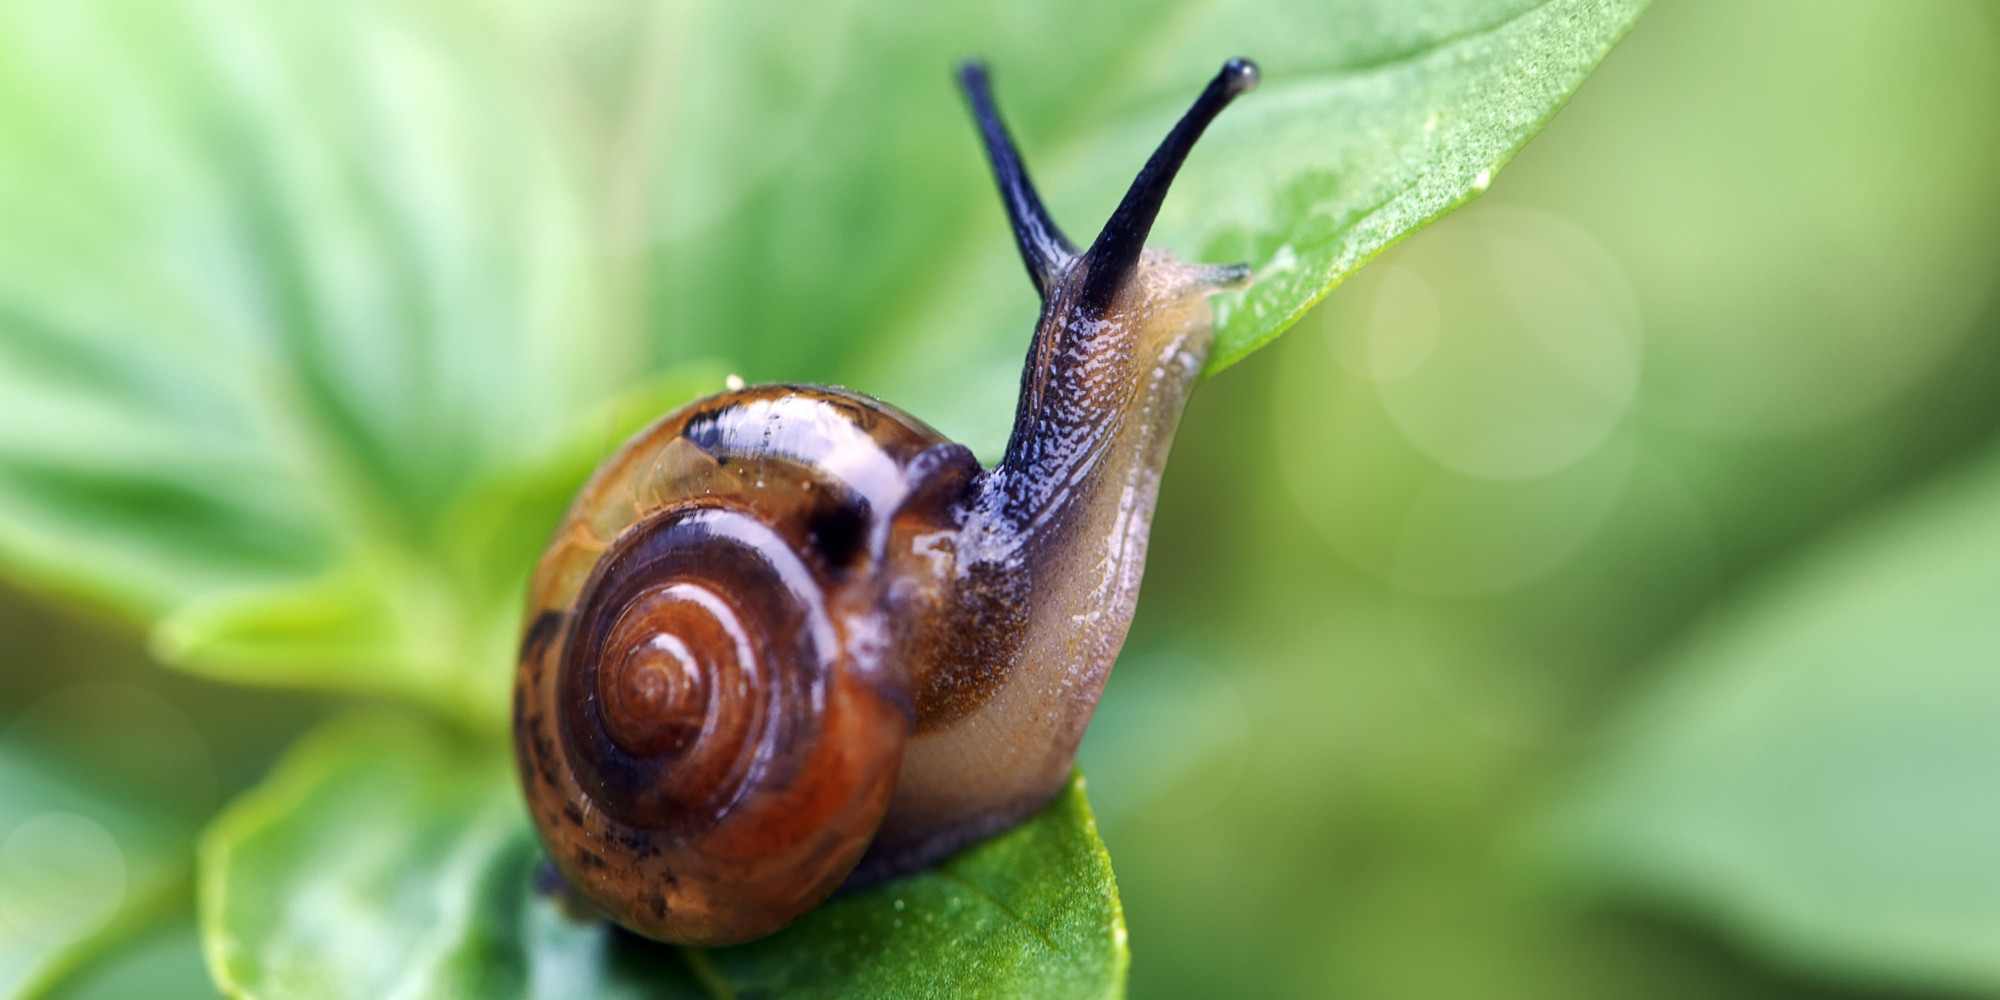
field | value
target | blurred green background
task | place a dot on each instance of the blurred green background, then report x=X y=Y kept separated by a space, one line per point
x=1597 y=596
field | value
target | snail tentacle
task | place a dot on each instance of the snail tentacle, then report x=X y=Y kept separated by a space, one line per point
x=1115 y=252
x=1048 y=562
x=1044 y=248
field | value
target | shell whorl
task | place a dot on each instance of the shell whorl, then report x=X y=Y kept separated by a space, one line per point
x=701 y=652
x=710 y=712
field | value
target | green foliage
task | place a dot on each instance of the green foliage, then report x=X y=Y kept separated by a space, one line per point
x=386 y=856
x=1817 y=773
x=309 y=315
x=1782 y=215
x=312 y=317
x=285 y=287
x=1032 y=912
x=163 y=965
x=783 y=155
x=78 y=869
x=310 y=286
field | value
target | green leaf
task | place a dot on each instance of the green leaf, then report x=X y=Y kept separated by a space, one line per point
x=440 y=626
x=283 y=286
x=162 y=965
x=294 y=296
x=386 y=856
x=78 y=870
x=1818 y=777
x=816 y=171
x=1033 y=912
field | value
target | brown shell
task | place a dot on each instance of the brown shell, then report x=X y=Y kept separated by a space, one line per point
x=710 y=710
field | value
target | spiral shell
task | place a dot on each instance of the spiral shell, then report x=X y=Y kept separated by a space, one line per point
x=711 y=711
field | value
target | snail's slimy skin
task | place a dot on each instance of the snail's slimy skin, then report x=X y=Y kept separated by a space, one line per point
x=789 y=636
x=1063 y=520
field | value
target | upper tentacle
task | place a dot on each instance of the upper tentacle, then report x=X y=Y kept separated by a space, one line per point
x=1112 y=256
x=1044 y=248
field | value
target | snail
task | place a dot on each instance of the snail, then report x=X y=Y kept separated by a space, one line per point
x=789 y=637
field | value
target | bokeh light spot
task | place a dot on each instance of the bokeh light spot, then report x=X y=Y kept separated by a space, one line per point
x=62 y=877
x=1537 y=345
x=1835 y=253
x=1400 y=334
x=1464 y=536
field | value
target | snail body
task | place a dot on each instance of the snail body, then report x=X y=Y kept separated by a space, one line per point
x=789 y=636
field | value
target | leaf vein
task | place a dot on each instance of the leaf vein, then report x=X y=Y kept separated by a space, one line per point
x=1002 y=907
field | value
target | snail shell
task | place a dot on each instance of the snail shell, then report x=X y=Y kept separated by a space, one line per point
x=789 y=636
x=709 y=713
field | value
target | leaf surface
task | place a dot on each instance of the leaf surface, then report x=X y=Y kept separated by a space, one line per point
x=284 y=288
x=305 y=309
x=863 y=213
x=309 y=316
x=164 y=964
x=79 y=869
x=1818 y=778
x=387 y=858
